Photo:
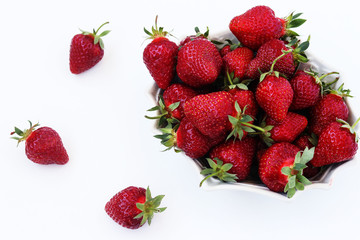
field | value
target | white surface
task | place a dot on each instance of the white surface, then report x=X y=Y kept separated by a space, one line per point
x=99 y=115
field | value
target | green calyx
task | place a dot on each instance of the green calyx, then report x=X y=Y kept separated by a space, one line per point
x=350 y=128
x=155 y=31
x=296 y=180
x=168 y=137
x=219 y=170
x=165 y=117
x=149 y=207
x=340 y=91
x=319 y=79
x=293 y=21
x=231 y=82
x=23 y=135
x=97 y=37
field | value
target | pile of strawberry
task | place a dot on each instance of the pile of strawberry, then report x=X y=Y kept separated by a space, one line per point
x=250 y=109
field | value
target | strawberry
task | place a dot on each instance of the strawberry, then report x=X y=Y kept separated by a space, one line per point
x=197 y=35
x=209 y=112
x=246 y=100
x=133 y=206
x=159 y=56
x=270 y=51
x=199 y=63
x=337 y=142
x=42 y=145
x=281 y=167
x=86 y=50
x=185 y=137
x=289 y=129
x=274 y=95
x=237 y=61
x=239 y=153
x=330 y=107
x=307 y=88
x=259 y=25
x=171 y=103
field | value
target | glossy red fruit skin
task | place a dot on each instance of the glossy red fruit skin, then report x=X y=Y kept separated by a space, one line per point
x=274 y=95
x=303 y=141
x=265 y=57
x=327 y=110
x=239 y=153
x=178 y=92
x=237 y=61
x=225 y=50
x=336 y=144
x=289 y=129
x=84 y=54
x=209 y=113
x=276 y=157
x=245 y=98
x=159 y=57
x=191 y=140
x=122 y=206
x=306 y=90
x=199 y=63
x=44 y=146
x=257 y=26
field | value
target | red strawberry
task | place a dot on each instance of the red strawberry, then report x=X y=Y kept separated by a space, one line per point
x=239 y=153
x=307 y=88
x=274 y=95
x=281 y=167
x=237 y=61
x=331 y=107
x=305 y=140
x=259 y=25
x=199 y=63
x=209 y=112
x=42 y=145
x=86 y=50
x=133 y=206
x=289 y=129
x=187 y=138
x=225 y=50
x=246 y=100
x=272 y=50
x=160 y=56
x=197 y=35
x=338 y=142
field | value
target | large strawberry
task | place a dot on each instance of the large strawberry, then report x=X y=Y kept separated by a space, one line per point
x=237 y=61
x=133 y=206
x=209 y=113
x=259 y=25
x=337 y=142
x=185 y=137
x=273 y=49
x=86 y=50
x=42 y=145
x=307 y=88
x=331 y=107
x=199 y=63
x=160 y=56
x=281 y=167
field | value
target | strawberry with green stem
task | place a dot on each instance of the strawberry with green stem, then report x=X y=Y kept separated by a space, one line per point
x=86 y=50
x=219 y=170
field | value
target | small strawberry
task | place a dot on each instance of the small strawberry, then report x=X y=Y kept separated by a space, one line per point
x=289 y=129
x=281 y=167
x=209 y=112
x=86 y=50
x=259 y=25
x=185 y=137
x=160 y=56
x=330 y=107
x=307 y=88
x=239 y=153
x=199 y=63
x=338 y=142
x=42 y=145
x=133 y=206
x=171 y=103
x=228 y=47
x=237 y=61
x=197 y=35
x=273 y=49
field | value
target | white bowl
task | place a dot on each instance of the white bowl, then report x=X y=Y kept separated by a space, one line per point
x=322 y=180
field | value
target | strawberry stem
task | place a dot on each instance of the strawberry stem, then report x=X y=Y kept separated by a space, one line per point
x=100 y=27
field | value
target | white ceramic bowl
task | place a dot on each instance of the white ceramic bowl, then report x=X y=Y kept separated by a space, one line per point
x=323 y=180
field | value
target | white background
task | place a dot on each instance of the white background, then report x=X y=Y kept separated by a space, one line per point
x=100 y=116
